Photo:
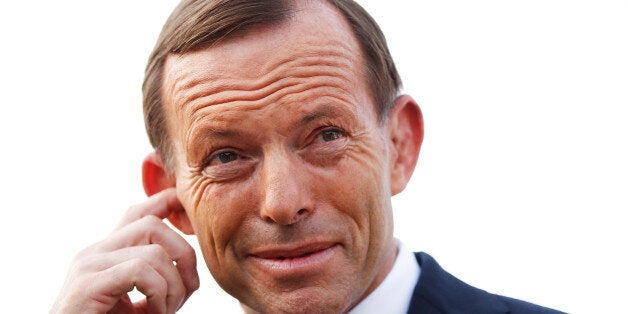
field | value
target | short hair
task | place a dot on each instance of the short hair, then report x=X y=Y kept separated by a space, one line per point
x=197 y=24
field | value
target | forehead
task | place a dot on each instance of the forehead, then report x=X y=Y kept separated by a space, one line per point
x=315 y=29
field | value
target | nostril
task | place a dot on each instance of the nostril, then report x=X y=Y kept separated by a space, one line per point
x=301 y=211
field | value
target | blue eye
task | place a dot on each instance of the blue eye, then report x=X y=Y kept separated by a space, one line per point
x=331 y=135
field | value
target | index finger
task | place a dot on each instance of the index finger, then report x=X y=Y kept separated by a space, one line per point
x=160 y=204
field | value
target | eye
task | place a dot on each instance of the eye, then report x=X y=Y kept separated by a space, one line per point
x=222 y=158
x=226 y=157
x=228 y=164
x=329 y=135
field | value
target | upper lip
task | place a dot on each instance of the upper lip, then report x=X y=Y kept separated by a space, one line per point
x=291 y=251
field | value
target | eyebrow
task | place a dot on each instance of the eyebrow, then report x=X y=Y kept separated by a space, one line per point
x=325 y=111
x=213 y=133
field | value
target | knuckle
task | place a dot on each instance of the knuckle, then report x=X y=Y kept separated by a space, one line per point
x=160 y=290
x=151 y=219
x=132 y=213
x=83 y=281
x=150 y=222
x=137 y=265
x=195 y=283
x=88 y=261
x=188 y=252
x=177 y=292
x=133 y=208
x=157 y=252
x=84 y=263
x=86 y=251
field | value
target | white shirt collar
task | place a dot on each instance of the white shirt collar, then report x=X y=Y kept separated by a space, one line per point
x=393 y=295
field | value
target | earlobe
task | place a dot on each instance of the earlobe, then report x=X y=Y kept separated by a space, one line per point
x=155 y=179
x=181 y=221
x=405 y=129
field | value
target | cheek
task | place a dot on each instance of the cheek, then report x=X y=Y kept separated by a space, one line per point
x=358 y=185
x=370 y=192
x=218 y=213
x=366 y=164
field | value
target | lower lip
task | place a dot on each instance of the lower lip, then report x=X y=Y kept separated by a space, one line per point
x=297 y=266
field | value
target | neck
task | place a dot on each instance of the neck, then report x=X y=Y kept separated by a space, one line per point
x=387 y=265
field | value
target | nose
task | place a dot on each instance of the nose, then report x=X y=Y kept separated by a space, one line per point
x=285 y=194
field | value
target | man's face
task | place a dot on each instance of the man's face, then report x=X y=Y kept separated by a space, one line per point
x=282 y=165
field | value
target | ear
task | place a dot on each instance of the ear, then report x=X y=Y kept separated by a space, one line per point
x=405 y=131
x=155 y=179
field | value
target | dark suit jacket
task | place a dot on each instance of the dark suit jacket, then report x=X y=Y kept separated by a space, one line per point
x=439 y=292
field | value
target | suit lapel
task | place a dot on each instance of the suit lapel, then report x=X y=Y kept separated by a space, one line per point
x=439 y=292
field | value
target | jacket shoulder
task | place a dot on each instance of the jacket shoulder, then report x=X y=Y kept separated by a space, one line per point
x=517 y=306
x=440 y=292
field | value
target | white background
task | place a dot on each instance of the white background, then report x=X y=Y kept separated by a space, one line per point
x=522 y=182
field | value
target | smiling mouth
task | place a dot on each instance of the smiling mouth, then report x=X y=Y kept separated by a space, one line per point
x=281 y=258
x=294 y=252
x=295 y=261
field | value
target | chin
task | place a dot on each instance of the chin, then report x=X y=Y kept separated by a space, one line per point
x=305 y=300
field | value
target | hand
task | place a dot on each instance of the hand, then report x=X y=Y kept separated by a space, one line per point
x=141 y=252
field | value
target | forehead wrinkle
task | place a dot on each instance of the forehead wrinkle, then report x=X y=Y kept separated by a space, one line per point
x=212 y=78
x=333 y=53
x=283 y=92
x=269 y=91
x=228 y=116
x=266 y=95
x=291 y=90
x=335 y=85
x=198 y=86
x=218 y=126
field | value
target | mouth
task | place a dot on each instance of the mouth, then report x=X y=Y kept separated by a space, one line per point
x=298 y=260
